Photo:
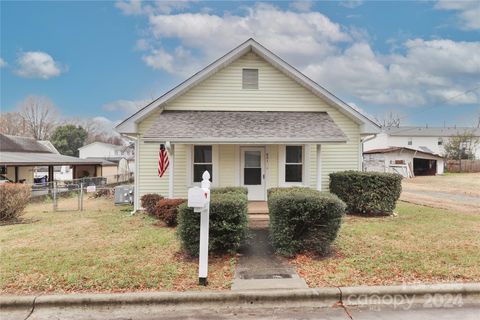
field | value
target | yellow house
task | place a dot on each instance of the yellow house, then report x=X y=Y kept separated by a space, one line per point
x=251 y=120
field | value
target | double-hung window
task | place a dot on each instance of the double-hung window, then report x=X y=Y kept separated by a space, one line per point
x=202 y=160
x=294 y=164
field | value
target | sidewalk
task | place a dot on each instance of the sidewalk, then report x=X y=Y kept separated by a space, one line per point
x=258 y=267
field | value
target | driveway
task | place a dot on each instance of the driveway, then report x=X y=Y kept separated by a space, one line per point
x=459 y=192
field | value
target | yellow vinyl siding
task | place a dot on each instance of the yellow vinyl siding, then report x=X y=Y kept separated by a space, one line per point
x=272 y=166
x=227 y=166
x=223 y=91
x=180 y=171
x=148 y=179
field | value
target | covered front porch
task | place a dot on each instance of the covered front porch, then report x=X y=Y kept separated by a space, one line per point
x=256 y=150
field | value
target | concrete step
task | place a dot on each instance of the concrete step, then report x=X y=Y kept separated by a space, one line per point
x=268 y=284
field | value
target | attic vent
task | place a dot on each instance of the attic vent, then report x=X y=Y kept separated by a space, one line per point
x=250 y=79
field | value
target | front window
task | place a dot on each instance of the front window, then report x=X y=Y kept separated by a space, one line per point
x=202 y=160
x=293 y=164
x=440 y=141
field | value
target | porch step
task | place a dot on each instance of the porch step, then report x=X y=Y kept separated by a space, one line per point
x=257 y=207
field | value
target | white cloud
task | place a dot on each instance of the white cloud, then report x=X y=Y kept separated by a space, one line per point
x=340 y=58
x=351 y=4
x=138 y=7
x=37 y=64
x=125 y=106
x=468 y=12
x=2 y=63
x=302 y=5
x=295 y=36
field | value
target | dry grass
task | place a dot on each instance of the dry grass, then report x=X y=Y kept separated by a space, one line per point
x=420 y=245
x=458 y=192
x=101 y=249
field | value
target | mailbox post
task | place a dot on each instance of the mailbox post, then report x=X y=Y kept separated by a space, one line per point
x=199 y=200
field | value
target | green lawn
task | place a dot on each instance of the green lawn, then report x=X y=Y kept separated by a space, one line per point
x=421 y=244
x=100 y=249
x=103 y=249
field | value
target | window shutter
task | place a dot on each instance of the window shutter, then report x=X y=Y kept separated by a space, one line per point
x=250 y=78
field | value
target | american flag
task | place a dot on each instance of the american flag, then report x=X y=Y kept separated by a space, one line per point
x=162 y=161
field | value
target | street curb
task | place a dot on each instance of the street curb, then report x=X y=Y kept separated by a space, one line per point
x=323 y=296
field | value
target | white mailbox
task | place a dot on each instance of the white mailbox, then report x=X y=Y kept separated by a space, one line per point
x=199 y=200
x=198 y=197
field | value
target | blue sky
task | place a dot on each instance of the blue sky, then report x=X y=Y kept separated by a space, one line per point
x=106 y=58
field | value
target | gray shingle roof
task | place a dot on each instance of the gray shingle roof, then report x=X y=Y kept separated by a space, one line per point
x=44 y=159
x=245 y=126
x=22 y=144
x=431 y=131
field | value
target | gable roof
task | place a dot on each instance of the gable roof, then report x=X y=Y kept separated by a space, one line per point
x=244 y=127
x=422 y=150
x=24 y=144
x=109 y=145
x=431 y=131
x=129 y=125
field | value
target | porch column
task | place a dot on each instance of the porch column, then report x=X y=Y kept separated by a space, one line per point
x=50 y=174
x=319 y=167
x=170 y=171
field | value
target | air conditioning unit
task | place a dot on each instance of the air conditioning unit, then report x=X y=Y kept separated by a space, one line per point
x=124 y=194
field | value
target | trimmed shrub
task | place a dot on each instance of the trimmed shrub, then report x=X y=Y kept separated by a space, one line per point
x=303 y=219
x=149 y=201
x=228 y=224
x=219 y=190
x=369 y=193
x=167 y=211
x=14 y=198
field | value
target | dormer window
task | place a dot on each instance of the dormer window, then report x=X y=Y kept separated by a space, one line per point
x=250 y=78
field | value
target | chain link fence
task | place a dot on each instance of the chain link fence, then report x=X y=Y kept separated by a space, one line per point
x=69 y=195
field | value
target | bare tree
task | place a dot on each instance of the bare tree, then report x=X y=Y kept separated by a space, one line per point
x=390 y=120
x=40 y=116
x=12 y=123
x=462 y=146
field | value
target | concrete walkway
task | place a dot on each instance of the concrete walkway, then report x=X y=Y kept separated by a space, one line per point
x=258 y=267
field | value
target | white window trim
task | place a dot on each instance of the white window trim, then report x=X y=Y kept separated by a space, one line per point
x=190 y=163
x=282 y=163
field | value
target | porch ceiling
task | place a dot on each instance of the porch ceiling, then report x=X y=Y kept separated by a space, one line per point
x=245 y=127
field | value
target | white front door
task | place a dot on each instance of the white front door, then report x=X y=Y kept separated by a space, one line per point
x=253 y=172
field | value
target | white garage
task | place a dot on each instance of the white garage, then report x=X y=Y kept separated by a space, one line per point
x=405 y=161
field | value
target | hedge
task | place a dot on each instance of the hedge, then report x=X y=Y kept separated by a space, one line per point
x=14 y=198
x=149 y=201
x=219 y=190
x=228 y=224
x=303 y=219
x=369 y=193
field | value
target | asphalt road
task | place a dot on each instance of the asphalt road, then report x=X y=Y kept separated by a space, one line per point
x=304 y=313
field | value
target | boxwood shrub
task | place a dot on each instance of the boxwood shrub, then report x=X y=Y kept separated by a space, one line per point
x=219 y=190
x=228 y=223
x=303 y=219
x=369 y=193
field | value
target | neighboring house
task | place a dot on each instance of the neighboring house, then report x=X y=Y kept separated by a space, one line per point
x=111 y=152
x=430 y=139
x=251 y=120
x=405 y=161
x=21 y=158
